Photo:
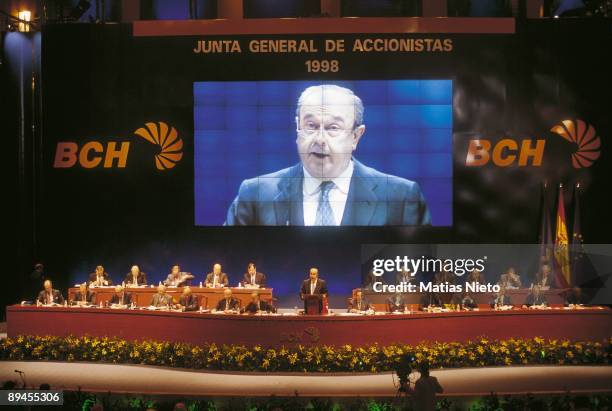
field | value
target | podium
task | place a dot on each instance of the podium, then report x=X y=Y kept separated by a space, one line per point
x=313 y=304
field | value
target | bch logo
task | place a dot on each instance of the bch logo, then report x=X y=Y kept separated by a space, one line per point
x=166 y=138
x=507 y=151
x=584 y=137
x=504 y=152
x=113 y=154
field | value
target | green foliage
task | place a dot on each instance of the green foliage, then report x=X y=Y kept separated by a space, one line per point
x=346 y=358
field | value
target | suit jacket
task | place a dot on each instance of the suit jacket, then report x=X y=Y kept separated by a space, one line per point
x=544 y=282
x=507 y=280
x=161 y=300
x=142 y=278
x=89 y=297
x=178 y=282
x=190 y=302
x=57 y=297
x=355 y=305
x=260 y=279
x=396 y=303
x=234 y=304
x=533 y=300
x=127 y=299
x=93 y=277
x=320 y=288
x=253 y=308
x=431 y=299
x=499 y=300
x=374 y=199
x=222 y=279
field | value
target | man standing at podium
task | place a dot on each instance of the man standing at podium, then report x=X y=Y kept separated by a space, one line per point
x=314 y=286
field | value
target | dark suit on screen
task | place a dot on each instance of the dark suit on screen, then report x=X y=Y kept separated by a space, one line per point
x=125 y=300
x=374 y=199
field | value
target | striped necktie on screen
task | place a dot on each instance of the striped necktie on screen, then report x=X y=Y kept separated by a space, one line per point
x=325 y=214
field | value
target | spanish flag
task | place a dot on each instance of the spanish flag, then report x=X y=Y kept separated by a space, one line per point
x=561 y=251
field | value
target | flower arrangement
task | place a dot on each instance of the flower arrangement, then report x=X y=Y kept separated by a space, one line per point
x=346 y=358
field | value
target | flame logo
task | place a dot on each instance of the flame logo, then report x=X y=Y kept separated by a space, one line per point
x=166 y=138
x=582 y=135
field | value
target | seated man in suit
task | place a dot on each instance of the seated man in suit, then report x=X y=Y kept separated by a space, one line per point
x=121 y=297
x=314 y=286
x=136 y=277
x=510 y=279
x=465 y=300
x=84 y=296
x=358 y=303
x=228 y=303
x=217 y=278
x=177 y=278
x=99 y=278
x=329 y=187
x=501 y=299
x=188 y=301
x=161 y=299
x=254 y=278
x=49 y=296
x=573 y=297
x=544 y=277
x=535 y=298
x=476 y=276
x=256 y=305
x=395 y=303
x=431 y=300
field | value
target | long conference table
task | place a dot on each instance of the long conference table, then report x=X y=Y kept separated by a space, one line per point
x=518 y=296
x=291 y=329
x=209 y=297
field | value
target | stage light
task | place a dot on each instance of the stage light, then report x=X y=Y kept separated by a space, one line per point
x=24 y=20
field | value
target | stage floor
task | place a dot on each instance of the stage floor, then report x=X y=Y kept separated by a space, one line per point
x=289 y=330
x=156 y=380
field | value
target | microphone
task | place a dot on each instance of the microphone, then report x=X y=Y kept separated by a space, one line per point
x=19 y=372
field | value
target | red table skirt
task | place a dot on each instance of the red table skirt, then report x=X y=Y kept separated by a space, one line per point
x=275 y=331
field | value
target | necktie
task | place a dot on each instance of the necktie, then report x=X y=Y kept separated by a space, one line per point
x=215 y=281
x=252 y=280
x=325 y=214
x=312 y=287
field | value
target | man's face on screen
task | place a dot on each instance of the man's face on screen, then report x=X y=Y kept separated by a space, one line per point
x=327 y=135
